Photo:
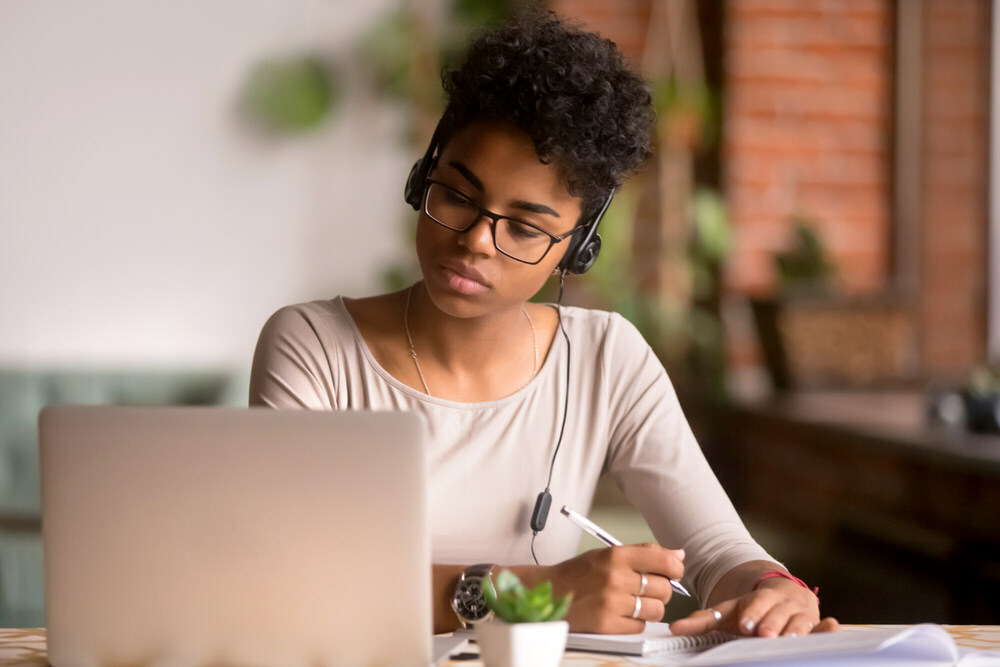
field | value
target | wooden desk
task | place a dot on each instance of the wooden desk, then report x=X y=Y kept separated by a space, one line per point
x=27 y=646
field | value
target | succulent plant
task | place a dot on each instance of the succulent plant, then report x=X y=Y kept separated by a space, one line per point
x=513 y=602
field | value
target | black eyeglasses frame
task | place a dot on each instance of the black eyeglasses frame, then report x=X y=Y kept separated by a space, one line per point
x=494 y=218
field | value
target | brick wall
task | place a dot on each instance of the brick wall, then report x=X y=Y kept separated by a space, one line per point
x=808 y=130
x=955 y=170
x=808 y=93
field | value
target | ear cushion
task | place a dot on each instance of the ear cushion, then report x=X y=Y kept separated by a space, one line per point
x=583 y=250
x=414 y=190
x=585 y=257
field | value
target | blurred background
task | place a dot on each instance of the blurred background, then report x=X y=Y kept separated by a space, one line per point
x=813 y=250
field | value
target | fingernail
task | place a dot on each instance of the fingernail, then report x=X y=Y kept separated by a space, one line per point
x=748 y=625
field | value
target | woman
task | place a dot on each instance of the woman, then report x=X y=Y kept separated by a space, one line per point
x=543 y=123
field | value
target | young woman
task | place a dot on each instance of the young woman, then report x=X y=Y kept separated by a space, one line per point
x=543 y=123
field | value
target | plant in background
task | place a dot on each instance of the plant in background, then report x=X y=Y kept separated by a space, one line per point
x=805 y=266
x=291 y=95
x=710 y=245
x=513 y=602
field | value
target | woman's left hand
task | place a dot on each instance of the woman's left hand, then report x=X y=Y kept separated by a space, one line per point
x=777 y=607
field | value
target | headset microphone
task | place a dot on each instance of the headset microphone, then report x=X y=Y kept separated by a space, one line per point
x=541 y=511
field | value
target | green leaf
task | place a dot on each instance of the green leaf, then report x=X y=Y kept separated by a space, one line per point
x=489 y=593
x=507 y=582
x=290 y=95
x=513 y=602
x=561 y=608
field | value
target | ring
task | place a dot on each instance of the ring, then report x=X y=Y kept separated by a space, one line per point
x=643 y=582
x=638 y=607
x=717 y=614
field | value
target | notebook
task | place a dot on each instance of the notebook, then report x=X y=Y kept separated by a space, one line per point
x=187 y=536
x=924 y=644
x=656 y=638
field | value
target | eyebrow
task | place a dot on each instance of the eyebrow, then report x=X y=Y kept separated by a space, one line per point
x=531 y=207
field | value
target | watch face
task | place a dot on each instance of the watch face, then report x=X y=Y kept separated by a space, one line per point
x=469 y=602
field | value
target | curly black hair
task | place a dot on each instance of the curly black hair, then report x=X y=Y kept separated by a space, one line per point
x=568 y=89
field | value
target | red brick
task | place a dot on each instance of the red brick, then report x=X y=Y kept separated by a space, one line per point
x=808 y=130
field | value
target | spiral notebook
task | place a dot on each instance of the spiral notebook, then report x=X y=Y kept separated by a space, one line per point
x=924 y=644
x=656 y=638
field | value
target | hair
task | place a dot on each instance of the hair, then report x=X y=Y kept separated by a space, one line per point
x=568 y=89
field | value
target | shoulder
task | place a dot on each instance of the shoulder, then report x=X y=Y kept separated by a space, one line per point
x=600 y=326
x=293 y=362
x=315 y=316
x=607 y=340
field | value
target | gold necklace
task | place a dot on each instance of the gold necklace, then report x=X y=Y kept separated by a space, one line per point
x=413 y=350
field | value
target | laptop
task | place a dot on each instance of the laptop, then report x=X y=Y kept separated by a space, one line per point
x=189 y=536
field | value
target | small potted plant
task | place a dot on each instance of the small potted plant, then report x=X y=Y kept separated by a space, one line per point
x=527 y=629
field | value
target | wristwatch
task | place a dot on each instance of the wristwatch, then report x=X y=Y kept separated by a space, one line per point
x=468 y=601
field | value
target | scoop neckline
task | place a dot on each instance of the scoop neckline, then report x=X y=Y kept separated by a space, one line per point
x=555 y=350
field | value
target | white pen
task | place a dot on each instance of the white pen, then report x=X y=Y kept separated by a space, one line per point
x=606 y=537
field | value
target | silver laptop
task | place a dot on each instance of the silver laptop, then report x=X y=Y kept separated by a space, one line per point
x=189 y=536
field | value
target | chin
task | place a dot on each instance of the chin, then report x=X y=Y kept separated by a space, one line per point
x=456 y=304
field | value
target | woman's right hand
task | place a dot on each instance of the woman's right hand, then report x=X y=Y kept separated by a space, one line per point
x=606 y=582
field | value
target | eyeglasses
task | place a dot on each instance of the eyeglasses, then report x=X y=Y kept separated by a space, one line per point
x=515 y=238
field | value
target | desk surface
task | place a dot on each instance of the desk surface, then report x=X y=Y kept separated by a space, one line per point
x=27 y=646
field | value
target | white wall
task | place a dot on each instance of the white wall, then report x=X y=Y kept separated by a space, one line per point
x=142 y=221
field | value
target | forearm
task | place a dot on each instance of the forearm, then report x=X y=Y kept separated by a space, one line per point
x=445 y=578
x=605 y=583
x=740 y=580
x=443 y=581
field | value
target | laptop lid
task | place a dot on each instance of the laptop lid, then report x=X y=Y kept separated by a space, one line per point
x=234 y=536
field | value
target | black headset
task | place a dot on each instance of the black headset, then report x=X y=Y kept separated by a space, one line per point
x=583 y=248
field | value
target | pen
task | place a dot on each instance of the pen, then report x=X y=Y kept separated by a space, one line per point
x=606 y=537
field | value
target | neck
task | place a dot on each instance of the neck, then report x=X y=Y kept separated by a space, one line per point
x=465 y=341
x=499 y=350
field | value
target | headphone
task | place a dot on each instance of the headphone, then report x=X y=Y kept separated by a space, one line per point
x=583 y=248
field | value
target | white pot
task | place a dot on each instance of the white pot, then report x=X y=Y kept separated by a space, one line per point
x=522 y=644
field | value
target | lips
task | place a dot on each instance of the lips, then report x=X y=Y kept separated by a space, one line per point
x=466 y=272
x=464 y=278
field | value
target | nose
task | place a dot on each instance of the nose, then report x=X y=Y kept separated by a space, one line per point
x=478 y=238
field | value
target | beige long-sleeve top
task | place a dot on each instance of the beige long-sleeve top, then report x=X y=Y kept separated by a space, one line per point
x=490 y=460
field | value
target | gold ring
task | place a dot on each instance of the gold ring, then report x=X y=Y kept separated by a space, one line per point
x=643 y=582
x=638 y=607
